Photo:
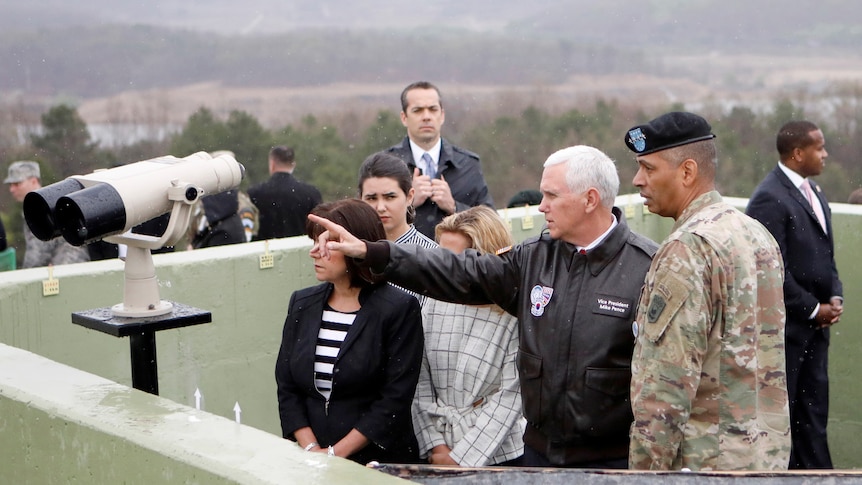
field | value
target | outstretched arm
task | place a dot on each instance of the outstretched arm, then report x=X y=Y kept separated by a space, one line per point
x=470 y=278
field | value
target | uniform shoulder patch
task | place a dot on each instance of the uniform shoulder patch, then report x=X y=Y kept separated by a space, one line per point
x=656 y=306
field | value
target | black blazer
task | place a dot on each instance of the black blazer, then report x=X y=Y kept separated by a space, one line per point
x=284 y=203
x=810 y=274
x=462 y=171
x=374 y=377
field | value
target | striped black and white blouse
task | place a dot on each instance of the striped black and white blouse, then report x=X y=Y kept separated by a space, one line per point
x=333 y=331
x=413 y=236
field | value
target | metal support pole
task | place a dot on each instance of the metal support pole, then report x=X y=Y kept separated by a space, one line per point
x=145 y=372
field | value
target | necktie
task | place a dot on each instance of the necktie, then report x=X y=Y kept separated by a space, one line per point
x=431 y=169
x=818 y=211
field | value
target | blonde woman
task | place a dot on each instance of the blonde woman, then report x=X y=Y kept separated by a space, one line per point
x=467 y=408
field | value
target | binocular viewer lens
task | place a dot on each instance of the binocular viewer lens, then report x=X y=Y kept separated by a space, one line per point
x=86 y=208
x=96 y=210
x=39 y=208
x=77 y=212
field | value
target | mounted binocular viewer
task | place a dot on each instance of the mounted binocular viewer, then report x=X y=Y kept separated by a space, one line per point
x=107 y=204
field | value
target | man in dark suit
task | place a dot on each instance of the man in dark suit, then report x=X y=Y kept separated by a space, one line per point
x=283 y=201
x=447 y=179
x=797 y=214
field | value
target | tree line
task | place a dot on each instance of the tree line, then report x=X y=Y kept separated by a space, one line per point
x=512 y=146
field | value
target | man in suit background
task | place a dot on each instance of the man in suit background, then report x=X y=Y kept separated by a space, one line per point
x=283 y=201
x=446 y=178
x=797 y=214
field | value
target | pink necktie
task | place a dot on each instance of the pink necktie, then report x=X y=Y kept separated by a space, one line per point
x=818 y=211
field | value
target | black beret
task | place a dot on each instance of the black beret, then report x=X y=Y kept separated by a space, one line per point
x=668 y=131
x=525 y=197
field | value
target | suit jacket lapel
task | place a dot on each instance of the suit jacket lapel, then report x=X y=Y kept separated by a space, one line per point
x=309 y=329
x=800 y=199
x=827 y=214
x=360 y=322
x=353 y=332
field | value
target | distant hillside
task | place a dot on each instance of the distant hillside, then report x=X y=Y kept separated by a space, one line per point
x=689 y=25
x=103 y=60
x=58 y=50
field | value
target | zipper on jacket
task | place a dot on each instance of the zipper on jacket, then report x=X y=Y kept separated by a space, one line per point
x=331 y=388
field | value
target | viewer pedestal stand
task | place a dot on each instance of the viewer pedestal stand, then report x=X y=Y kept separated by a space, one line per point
x=142 y=313
x=142 y=336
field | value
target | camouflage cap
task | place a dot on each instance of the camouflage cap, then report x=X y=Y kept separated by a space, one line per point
x=21 y=171
x=667 y=131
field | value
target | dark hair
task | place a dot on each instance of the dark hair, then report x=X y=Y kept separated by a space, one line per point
x=282 y=154
x=386 y=165
x=418 y=85
x=360 y=220
x=794 y=134
x=703 y=152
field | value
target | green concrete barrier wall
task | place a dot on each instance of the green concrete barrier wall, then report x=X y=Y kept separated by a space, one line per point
x=232 y=359
x=62 y=425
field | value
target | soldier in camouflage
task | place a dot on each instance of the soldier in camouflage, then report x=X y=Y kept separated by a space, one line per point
x=709 y=389
x=24 y=177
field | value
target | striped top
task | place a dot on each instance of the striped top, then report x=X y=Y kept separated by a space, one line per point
x=413 y=236
x=333 y=330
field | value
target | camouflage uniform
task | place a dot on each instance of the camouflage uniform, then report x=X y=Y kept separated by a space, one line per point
x=249 y=214
x=709 y=389
x=56 y=251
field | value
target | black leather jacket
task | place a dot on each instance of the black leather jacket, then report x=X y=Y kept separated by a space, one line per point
x=575 y=313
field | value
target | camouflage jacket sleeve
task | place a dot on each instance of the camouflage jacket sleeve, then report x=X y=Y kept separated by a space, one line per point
x=674 y=319
x=65 y=253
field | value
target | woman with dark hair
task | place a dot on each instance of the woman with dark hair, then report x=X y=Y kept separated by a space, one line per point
x=350 y=354
x=385 y=183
